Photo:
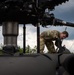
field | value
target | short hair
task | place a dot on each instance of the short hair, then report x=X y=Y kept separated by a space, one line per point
x=65 y=32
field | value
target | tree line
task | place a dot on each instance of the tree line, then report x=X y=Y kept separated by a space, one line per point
x=29 y=49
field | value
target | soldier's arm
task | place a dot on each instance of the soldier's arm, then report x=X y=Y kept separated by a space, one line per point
x=58 y=43
x=56 y=36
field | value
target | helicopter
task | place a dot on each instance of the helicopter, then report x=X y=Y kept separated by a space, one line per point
x=14 y=12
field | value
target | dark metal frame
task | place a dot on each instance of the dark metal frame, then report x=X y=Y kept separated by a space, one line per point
x=38 y=38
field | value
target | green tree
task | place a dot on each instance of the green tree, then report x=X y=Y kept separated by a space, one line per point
x=34 y=50
x=20 y=50
x=28 y=49
x=31 y=50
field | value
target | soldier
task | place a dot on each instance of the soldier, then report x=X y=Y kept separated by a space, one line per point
x=47 y=38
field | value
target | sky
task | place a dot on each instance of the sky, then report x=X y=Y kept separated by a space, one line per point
x=64 y=12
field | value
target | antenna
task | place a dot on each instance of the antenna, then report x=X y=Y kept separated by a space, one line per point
x=65 y=28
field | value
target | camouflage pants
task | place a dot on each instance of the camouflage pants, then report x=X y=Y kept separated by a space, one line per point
x=49 y=45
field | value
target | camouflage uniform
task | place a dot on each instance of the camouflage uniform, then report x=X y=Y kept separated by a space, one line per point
x=47 y=38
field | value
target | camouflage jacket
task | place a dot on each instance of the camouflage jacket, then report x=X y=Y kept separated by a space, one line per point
x=50 y=35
